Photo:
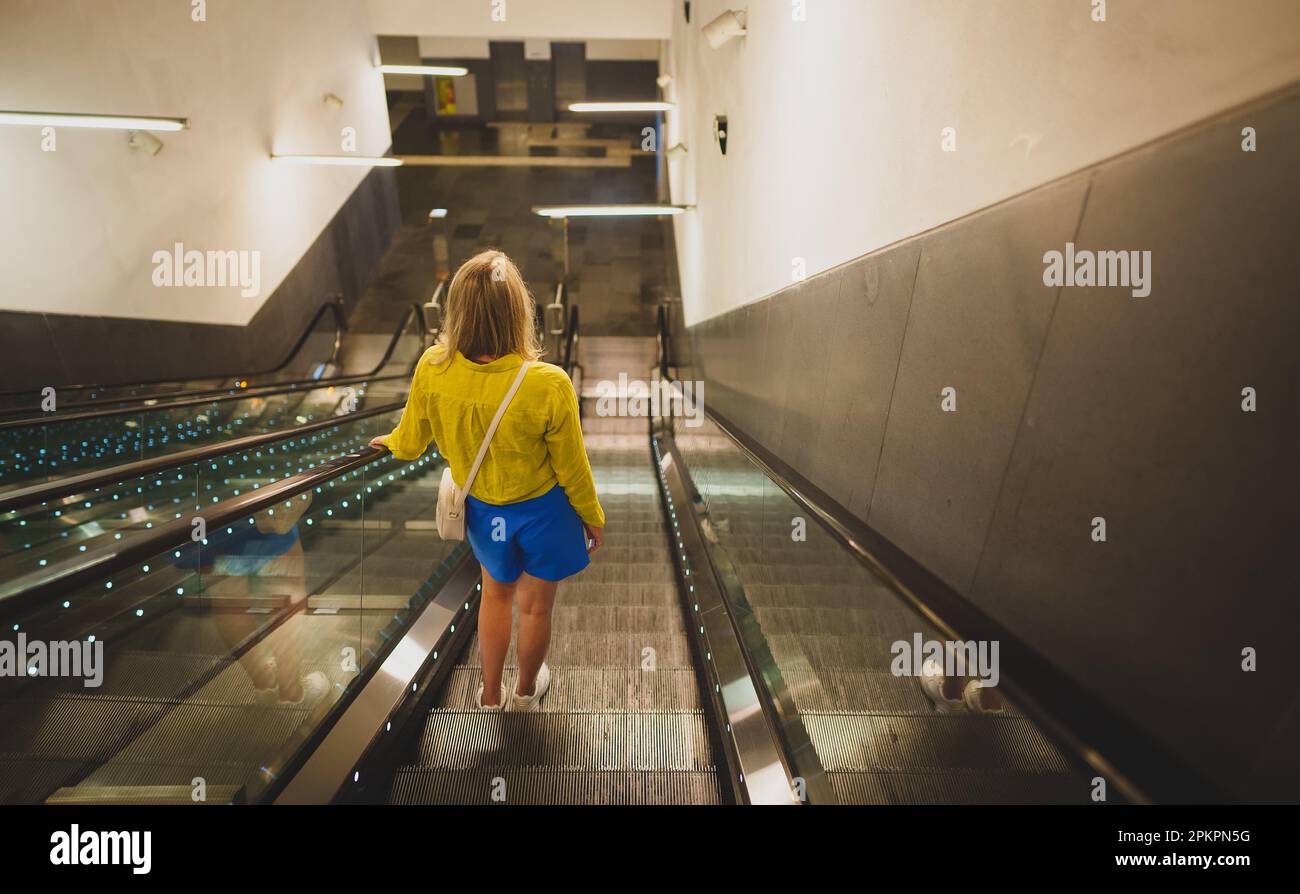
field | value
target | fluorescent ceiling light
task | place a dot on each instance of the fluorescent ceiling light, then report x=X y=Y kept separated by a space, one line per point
x=450 y=71
x=620 y=106
x=608 y=210
x=111 y=122
x=381 y=161
x=437 y=212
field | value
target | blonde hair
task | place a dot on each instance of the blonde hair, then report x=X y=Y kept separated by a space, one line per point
x=490 y=310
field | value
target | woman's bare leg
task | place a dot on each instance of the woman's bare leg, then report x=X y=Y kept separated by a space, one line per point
x=494 y=634
x=536 y=599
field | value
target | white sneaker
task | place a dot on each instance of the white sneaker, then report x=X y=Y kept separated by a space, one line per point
x=271 y=694
x=501 y=703
x=990 y=703
x=932 y=686
x=314 y=688
x=534 y=701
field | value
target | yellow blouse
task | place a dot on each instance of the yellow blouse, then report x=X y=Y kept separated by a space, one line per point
x=538 y=443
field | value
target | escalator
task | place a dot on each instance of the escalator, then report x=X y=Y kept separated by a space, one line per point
x=206 y=643
x=76 y=439
x=624 y=721
x=705 y=656
x=313 y=356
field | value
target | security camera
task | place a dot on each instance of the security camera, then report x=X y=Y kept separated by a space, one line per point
x=143 y=141
x=724 y=28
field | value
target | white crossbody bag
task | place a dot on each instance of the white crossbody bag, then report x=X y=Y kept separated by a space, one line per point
x=451 y=499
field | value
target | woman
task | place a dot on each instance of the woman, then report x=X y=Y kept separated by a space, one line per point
x=532 y=516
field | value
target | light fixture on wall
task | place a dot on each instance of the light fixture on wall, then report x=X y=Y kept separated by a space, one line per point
x=664 y=80
x=143 y=141
x=373 y=161
x=437 y=213
x=334 y=101
x=725 y=27
x=609 y=210
x=77 y=119
x=446 y=71
x=654 y=106
x=720 y=132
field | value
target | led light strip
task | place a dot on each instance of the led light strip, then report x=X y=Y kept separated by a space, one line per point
x=373 y=161
x=109 y=122
x=620 y=106
x=450 y=71
x=609 y=210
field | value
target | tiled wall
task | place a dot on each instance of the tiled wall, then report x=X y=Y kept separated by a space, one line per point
x=1073 y=404
x=59 y=349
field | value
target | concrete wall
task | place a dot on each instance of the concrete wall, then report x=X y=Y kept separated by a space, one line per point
x=90 y=215
x=82 y=223
x=835 y=121
x=1072 y=404
x=64 y=349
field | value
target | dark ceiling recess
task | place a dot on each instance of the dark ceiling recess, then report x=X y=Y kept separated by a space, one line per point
x=687 y=5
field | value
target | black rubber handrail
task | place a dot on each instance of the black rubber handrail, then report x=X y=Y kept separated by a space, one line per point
x=414 y=311
x=333 y=305
x=62 y=577
x=23 y=498
x=267 y=391
x=571 y=340
x=1097 y=735
x=665 y=348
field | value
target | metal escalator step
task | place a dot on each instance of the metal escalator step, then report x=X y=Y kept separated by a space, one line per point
x=192 y=734
x=858 y=691
x=877 y=600
x=618 y=688
x=828 y=650
x=144 y=794
x=777 y=620
x=536 y=785
x=615 y=619
x=957 y=787
x=658 y=573
x=594 y=740
x=671 y=649
x=846 y=741
x=582 y=592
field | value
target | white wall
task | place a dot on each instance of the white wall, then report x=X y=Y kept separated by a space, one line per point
x=557 y=19
x=835 y=122
x=81 y=224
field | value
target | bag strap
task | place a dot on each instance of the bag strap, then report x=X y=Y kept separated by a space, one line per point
x=492 y=430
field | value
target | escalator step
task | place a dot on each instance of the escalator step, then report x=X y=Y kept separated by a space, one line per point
x=603 y=740
x=847 y=741
x=612 y=649
x=619 y=688
x=532 y=785
x=956 y=787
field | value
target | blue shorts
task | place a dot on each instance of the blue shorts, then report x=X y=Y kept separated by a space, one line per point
x=542 y=536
